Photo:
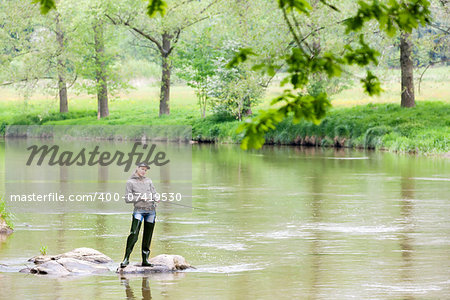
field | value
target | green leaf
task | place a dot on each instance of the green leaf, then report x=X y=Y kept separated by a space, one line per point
x=372 y=84
x=405 y=14
x=302 y=6
x=156 y=6
x=271 y=70
x=307 y=107
x=46 y=5
x=240 y=57
x=362 y=56
x=284 y=81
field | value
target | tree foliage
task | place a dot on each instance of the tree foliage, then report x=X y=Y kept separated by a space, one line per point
x=161 y=32
x=328 y=39
x=36 y=48
x=304 y=60
x=195 y=64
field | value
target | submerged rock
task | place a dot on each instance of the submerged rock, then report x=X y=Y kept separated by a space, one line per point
x=161 y=264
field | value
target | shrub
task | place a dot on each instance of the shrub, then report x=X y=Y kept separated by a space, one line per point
x=5 y=215
x=374 y=136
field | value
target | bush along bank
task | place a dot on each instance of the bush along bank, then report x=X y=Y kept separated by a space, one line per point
x=423 y=129
x=6 y=225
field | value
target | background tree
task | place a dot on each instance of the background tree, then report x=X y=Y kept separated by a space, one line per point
x=161 y=32
x=36 y=49
x=407 y=71
x=403 y=15
x=208 y=48
x=195 y=64
x=235 y=89
x=101 y=76
x=421 y=48
x=97 y=50
x=432 y=42
x=309 y=61
x=60 y=64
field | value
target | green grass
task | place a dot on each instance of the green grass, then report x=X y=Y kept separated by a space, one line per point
x=423 y=129
x=43 y=250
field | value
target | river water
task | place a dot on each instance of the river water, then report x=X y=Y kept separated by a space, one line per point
x=282 y=222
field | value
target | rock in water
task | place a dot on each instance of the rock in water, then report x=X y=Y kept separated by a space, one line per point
x=81 y=267
x=85 y=254
x=161 y=263
x=48 y=268
x=79 y=261
x=84 y=261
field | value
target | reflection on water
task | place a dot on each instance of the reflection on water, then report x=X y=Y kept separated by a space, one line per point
x=284 y=222
x=145 y=289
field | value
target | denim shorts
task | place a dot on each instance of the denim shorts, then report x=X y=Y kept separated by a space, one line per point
x=148 y=216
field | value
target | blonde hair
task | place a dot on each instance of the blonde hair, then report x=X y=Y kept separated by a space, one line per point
x=134 y=172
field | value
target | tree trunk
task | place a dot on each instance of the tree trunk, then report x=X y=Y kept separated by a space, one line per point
x=164 y=97
x=406 y=64
x=204 y=101
x=101 y=76
x=63 y=103
x=62 y=86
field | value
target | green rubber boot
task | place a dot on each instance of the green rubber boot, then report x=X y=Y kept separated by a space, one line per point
x=146 y=240
x=131 y=240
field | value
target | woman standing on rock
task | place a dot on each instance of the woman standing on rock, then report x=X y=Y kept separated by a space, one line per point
x=140 y=191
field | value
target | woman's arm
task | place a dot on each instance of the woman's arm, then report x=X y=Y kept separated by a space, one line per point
x=154 y=196
x=130 y=197
x=152 y=187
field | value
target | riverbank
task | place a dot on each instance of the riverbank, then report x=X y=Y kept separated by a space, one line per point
x=6 y=225
x=424 y=129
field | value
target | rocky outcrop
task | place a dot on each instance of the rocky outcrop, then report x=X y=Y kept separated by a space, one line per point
x=67 y=266
x=80 y=261
x=85 y=261
x=85 y=254
x=162 y=263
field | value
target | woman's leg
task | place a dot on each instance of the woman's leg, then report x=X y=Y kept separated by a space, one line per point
x=131 y=240
x=149 y=225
